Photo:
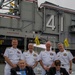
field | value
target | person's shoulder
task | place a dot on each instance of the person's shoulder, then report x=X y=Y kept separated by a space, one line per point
x=18 y=49
x=25 y=51
x=35 y=54
x=67 y=50
x=58 y=52
x=53 y=52
x=52 y=68
x=15 y=68
x=29 y=68
x=42 y=52
x=8 y=48
x=63 y=69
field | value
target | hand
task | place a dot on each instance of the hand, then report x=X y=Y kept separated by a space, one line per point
x=33 y=66
x=52 y=65
x=14 y=65
x=70 y=71
x=46 y=68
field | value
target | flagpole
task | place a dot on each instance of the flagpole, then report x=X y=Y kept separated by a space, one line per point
x=54 y=42
x=25 y=42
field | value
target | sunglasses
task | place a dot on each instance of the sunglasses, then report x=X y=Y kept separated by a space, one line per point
x=57 y=64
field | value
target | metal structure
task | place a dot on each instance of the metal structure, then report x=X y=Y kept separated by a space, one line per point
x=49 y=22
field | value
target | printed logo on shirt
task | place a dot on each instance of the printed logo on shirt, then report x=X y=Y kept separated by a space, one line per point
x=34 y=55
x=10 y=51
x=51 y=53
x=65 y=54
x=18 y=73
x=18 y=52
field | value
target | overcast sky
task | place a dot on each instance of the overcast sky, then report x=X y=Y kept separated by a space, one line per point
x=64 y=3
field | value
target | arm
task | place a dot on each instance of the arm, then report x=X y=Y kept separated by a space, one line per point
x=35 y=64
x=70 y=62
x=36 y=61
x=53 y=65
x=41 y=63
x=65 y=72
x=70 y=69
x=44 y=67
x=9 y=62
x=6 y=57
x=40 y=60
x=27 y=65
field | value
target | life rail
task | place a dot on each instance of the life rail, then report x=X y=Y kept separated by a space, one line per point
x=10 y=16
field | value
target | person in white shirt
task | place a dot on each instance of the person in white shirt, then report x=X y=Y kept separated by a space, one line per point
x=65 y=57
x=30 y=56
x=12 y=56
x=47 y=58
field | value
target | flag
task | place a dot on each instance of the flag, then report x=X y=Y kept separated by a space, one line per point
x=11 y=7
x=37 y=40
x=66 y=43
x=12 y=4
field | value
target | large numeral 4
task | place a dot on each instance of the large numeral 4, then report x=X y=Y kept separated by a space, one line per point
x=50 y=22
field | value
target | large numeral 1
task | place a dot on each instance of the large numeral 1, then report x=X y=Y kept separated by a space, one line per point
x=62 y=23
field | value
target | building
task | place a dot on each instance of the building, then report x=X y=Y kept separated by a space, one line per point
x=27 y=20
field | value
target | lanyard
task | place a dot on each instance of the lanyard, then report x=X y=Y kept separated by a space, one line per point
x=23 y=72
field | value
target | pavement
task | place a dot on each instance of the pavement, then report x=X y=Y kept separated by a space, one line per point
x=37 y=69
x=2 y=69
x=73 y=68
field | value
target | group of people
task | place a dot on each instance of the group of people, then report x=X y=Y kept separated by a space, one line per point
x=18 y=63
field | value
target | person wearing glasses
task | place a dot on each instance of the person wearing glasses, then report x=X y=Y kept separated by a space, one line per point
x=57 y=70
